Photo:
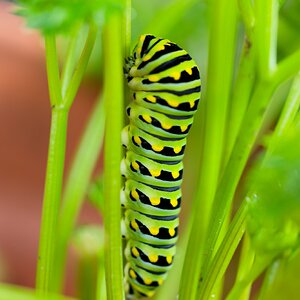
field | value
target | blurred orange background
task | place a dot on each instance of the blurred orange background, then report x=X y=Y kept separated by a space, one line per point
x=24 y=132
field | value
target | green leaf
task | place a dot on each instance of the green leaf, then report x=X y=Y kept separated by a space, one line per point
x=274 y=209
x=57 y=16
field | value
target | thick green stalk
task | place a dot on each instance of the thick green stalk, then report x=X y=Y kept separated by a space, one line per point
x=113 y=97
x=77 y=185
x=220 y=71
x=54 y=172
x=52 y=197
x=265 y=37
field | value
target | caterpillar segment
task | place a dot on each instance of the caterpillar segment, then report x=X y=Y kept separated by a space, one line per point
x=165 y=87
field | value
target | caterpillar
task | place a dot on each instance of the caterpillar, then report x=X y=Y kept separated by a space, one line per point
x=165 y=87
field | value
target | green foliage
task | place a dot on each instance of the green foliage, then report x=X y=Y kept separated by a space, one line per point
x=60 y=15
x=274 y=210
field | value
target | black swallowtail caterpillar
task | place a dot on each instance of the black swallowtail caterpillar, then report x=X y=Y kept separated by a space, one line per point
x=165 y=86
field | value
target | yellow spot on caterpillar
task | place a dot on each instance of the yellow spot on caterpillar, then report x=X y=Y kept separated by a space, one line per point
x=147 y=281
x=139 y=50
x=147 y=57
x=135 y=165
x=175 y=174
x=135 y=252
x=173 y=103
x=155 y=173
x=189 y=71
x=153 y=258
x=134 y=225
x=161 y=47
x=175 y=75
x=153 y=78
x=135 y=194
x=166 y=126
x=160 y=281
x=155 y=201
x=183 y=128
x=174 y=202
x=177 y=149
x=169 y=259
x=154 y=230
x=147 y=118
x=157 y=148
x=172 y=231
x=132 y=274
x=137 y=140
x=151 y=99
x=192 y=104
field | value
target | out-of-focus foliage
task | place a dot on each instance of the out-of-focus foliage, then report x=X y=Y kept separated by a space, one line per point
x=57 y=16
x=289 y=28
x=274 y=210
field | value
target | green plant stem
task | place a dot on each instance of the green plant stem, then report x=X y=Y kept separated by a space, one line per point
x=53 y=70
x=249 y=129
x=220 y=70
x=225 y=252
x=247 y=13
x=259 y=266
x=287 y=68
x=71 y=57
x=52 y=197
x=127 y=28
x=160 y=24
x=12 y=292
x=81 y=66
x=265 y=38
x=290 y=108
x=245 y=264
x=77 y=185
x=113 y=96
x=269 y=279
x=266 y=13
x=241 y=96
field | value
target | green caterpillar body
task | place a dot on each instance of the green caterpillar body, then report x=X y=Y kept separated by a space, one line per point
x=165 y=86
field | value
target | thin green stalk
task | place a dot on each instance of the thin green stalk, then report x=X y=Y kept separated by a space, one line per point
x=77 y=184
x=259 y=266
x=113 y=96
x=81 y=66
x=290 y=108
x=71 y=58
x=287 y=68
x=265 y=37
x=220 y=71
x=245 y=264
x=241 y=96
x=53 y=70
x=269 y=279
x=225 y=252
x=51 y=202
x=12 y=292
x=266 y=13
